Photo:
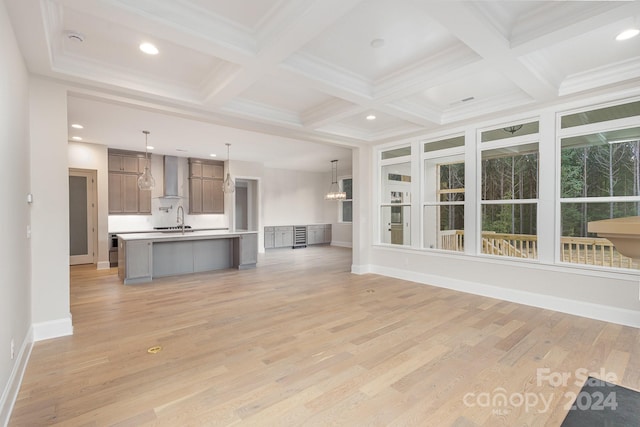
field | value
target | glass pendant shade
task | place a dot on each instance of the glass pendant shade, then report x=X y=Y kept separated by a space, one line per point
x=334 y=192
x=228 y=186
x=145 y=180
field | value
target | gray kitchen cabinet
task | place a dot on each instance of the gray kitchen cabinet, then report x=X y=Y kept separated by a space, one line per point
x=248 y=250
x=124 y=195
x=205 y=186
x=315 y=234
x=327 y=234
x=283 y=237
x=135 y=260
x=269 y=237
x=319 y=234
x=143 y=256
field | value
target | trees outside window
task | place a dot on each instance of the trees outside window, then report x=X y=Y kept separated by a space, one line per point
x=600 y=179
x=509 y=198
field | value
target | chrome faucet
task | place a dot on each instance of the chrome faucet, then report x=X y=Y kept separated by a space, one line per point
x=181 y=217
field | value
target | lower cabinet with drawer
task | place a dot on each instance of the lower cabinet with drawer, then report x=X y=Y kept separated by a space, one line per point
x=283 y=236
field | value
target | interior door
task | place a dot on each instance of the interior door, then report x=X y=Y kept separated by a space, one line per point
x=82 y=213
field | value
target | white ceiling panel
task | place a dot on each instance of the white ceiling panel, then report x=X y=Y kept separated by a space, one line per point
x=409 y=35
x=115 y=46
x=479 y=86
x=277 y=91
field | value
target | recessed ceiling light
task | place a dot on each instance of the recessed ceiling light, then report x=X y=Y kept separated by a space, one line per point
x=76 y=138
x=149 y=48
x=627 y=34
x=150 y=147
x=377 y=43
x=77 y=126
x=213 y=155
x=371 y=117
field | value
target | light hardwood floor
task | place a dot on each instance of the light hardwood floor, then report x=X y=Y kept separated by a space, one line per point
x=301 y=341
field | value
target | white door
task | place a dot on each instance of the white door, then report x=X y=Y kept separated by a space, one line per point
x=82 y=214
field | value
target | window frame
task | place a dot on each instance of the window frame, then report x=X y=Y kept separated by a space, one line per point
x=506 y=142
x=380 y=164
x=580 y=130
x=341 y=204
x=443 y=153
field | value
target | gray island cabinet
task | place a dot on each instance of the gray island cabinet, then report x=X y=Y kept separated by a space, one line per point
x=143 y=256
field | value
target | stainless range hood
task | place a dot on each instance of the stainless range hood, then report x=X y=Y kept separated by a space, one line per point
x=171 y=178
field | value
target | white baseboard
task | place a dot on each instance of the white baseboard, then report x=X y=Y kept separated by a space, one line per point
x=341 y=244
x=52 y=329
x=361 y=269
x=10 y=393
x=103 y=265
x=578 y=308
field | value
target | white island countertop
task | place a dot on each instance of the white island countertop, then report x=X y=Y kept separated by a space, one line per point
x=188 y=235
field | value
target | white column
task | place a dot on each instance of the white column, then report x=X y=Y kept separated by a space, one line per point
x=51 y=315
x=363 y=227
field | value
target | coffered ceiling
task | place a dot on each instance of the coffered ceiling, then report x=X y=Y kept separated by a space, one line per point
x=313 y=70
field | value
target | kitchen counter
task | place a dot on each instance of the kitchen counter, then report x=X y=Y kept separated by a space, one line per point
x=143 y=256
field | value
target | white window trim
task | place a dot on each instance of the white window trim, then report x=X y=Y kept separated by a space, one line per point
x=340 y=205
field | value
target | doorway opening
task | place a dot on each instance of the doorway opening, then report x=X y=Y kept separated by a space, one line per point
x=246 y=205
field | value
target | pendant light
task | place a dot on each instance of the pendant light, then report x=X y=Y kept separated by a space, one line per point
x=145 y=180
x=334 y=192
x=228 y=186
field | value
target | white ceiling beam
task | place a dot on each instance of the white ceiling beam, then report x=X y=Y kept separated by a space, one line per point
x=296 y=27
x=536 y=32
x=477 y=33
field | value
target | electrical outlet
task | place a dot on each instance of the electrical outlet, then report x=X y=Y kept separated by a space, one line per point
x=28 y=231
x=13 y=349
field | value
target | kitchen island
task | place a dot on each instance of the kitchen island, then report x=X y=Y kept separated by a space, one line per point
x=143 y=256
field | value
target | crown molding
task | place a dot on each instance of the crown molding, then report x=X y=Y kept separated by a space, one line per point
x=601 y=76
x=329 y=74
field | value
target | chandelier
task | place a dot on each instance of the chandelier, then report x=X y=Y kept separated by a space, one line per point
x=512 y=129
x=334 y=192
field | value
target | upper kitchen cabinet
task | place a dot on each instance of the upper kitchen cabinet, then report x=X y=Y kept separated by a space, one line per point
x=124 y=195
x=206 y=169
x=126 y=161
x=205 y=186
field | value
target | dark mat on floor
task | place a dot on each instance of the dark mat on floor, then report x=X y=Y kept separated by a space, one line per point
x=602 y=404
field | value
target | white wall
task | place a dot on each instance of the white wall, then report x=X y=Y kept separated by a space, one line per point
x=50 y=210
x=15 y=309
x=94 y=157
x=295 y=197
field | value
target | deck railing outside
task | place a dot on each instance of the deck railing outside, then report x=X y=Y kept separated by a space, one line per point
x=577 y=250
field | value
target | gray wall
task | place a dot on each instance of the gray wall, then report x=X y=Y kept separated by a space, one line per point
x=15 y=309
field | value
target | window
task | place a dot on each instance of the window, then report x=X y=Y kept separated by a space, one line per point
x=443 y=209
x=600 y=179
x=509 y=196
x=346 y=206
x=395 y=197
